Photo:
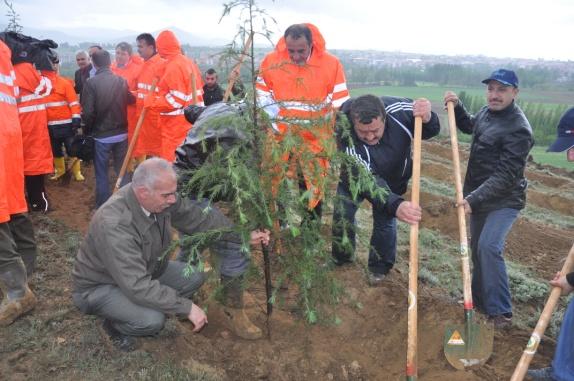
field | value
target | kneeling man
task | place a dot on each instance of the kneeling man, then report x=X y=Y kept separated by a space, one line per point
x=122 y=275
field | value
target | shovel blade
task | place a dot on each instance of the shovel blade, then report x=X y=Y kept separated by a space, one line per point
x=468 y=345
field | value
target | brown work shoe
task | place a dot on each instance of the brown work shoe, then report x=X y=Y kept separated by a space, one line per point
x=12 y=309
x=237 y=321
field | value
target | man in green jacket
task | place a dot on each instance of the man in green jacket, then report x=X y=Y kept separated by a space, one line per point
x=120 y=272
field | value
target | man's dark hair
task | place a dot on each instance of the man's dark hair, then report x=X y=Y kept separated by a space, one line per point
x=97 y=47
x=101 y=58
x=210 y=71
x=366 y=108
x=148 y=38
x=126 y=47
x=297 y=31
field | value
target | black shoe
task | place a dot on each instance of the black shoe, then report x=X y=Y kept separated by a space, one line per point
x=544 y=374
x=501 y=321
x=124 y=343
x=376 y=279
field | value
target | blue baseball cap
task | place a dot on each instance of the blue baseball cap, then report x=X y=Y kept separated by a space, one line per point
x=504 y=76
x=565 y=133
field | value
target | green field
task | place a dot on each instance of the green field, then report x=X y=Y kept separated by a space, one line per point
x=556 y=159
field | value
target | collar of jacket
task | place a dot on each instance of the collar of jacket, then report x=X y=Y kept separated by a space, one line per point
x=504 y=112
x=105 y=69
x=140 y=220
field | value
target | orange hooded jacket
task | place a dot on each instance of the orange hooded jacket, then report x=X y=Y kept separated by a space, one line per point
x=130 y=73
x=175 y=93
x=305 y=98
x=149 y=141
x=33 y=89
x=62 y=104
x=12 y=200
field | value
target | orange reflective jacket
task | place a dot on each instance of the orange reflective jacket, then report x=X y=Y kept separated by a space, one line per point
x=62 y=104
x=303 y=94
x=130 y=73
x=303 y=99
x=33 y=89
x=149 y=141
x=175 y=93
x=12 y=200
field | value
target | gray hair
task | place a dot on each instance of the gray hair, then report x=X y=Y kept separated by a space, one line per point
x=82 y=53
x=149 y=171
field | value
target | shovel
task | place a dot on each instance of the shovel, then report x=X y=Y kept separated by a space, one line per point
x=412 y=313
x=543 y=322
x=469 y=344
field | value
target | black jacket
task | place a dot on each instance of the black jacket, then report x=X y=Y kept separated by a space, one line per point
x=212 y=95
x=80 y=78
x=390 y=159
x=104 y=101
x=501 y=141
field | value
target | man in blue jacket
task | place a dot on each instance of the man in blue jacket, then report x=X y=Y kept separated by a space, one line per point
x=380 y=141
x=494 y=187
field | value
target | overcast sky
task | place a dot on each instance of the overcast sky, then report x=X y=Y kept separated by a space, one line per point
x=498 y=28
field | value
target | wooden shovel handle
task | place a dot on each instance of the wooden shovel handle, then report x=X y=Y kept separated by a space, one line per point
x=193 y=88
x=543 y=322
x=411 y=370
x=235 y=71
x=463 y=239
x=135 y=137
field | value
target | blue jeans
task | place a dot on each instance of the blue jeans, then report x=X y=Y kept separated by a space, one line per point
x=488 y=232
x=102 y=154
x=563 y=363
x=383 y=248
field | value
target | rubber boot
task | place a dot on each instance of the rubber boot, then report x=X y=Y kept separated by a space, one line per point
x=60 y=168
x=18 y=298
x=24 y=238
x=235 y=317
x=76 y=169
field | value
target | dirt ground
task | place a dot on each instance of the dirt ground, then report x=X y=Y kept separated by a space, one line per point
x=57 y=342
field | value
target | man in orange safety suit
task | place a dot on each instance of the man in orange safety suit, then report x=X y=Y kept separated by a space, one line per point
x=300 y=86
x=149 y=141
x=32 y=91
x=64 y=118
x=128 y=66
x=17 y=243
x=175 y=93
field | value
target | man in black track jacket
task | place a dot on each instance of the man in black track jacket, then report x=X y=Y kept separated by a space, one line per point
x=494 y=187
x=380 y=140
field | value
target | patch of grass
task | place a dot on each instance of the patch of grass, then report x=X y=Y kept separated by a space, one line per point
x=555 y=159
x=548 y=217
x=524 y=286
x=438 y=188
